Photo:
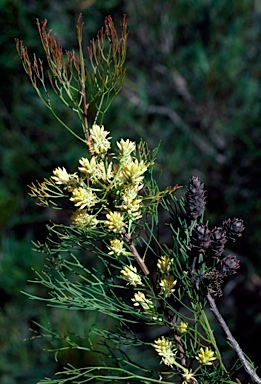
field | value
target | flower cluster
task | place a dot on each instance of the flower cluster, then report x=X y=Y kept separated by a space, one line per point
x=167 y=285
x=164 y=264
x=183 y=328
x=206 y=357
x=167 y=281
x=107 y=184
x=130 y=273
x=141 y=300
x=166 y=350
x=117 y=248
x=188 y=377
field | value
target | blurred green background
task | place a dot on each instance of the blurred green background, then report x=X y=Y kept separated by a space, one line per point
x=193 y=83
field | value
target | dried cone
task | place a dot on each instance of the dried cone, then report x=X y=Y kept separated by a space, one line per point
x=233 y=228
x=200 y=237
x=218 y=241
x=195 y=199
x=229 y=265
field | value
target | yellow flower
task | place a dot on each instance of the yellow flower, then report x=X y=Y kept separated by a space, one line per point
x=61 y=176
x=183 y=327
x=84 y=219
x=96 y=170
x=188 y=377
x=132 y=207
x=164 y=264
x=83 y=197
x=130 y=273
x=167 y=285
x=115 y=222
x=88 y=166
x=117 y=248
x=126 y=147
x=100 y=144
x=141 y=300
x=206 y=357
x=132 y=172
x=166 y=350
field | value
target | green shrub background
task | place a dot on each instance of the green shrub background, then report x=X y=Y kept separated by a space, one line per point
x=193 y=83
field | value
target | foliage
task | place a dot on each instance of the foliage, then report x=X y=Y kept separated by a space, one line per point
x=114 y=217
x=193 y=83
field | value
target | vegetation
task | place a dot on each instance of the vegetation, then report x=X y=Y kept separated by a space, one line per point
x=208 y=127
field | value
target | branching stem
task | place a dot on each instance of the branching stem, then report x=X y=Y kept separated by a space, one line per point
x=232 y=340
x=137 y=255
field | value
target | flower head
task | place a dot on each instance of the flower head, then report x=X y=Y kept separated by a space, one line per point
x=100 y=144
x=167 y=285
x=130 y=273
x=95 y=170
x=206 y=357
x=188 y=377
x=126 y=147
x=117 y=248
x=183 y=327
x=88 y=166
x=164 y=264
x=165 y=349
x=61 y=176
x=130 y=205
x=141 y=300
x=83 y=219
x=83 y=197
x=132 y=172
x=115 y=222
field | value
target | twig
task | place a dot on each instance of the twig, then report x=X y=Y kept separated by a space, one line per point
x=181 y=349
x=234 y=343
x=136 y=255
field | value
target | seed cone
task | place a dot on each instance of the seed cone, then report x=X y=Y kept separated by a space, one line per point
x=200 y=237
x=195 y=199
x=233 y=228
x=229 y=265
x=218 y=241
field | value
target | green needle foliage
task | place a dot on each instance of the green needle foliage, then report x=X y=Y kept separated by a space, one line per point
x=131 y=253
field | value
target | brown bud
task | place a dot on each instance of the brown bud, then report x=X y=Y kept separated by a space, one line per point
x=233 y=228
x=200 y=238
x=229 y=265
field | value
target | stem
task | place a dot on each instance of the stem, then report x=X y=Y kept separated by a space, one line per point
x=136 y=255
x=234 y=343
x=87 y=136
x=181 y=350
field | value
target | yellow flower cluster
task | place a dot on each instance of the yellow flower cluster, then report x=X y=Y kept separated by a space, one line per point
x=117 y=248
x=167 y=285
x=83 y=219
x=167 y=282
x=100 y=144
x=130 y=273
x=164 y=264
x=141 y=300
x=61 y=176
x=107 y=183
x=115 y=222
x=147 y=305
x=188 y=377
x=206 y=357
x=166 y=350
x=183 y=327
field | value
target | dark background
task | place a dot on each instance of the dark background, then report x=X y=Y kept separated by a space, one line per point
x=193 y=83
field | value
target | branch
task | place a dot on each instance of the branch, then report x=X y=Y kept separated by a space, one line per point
x=136 y=255
x=234 y=343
